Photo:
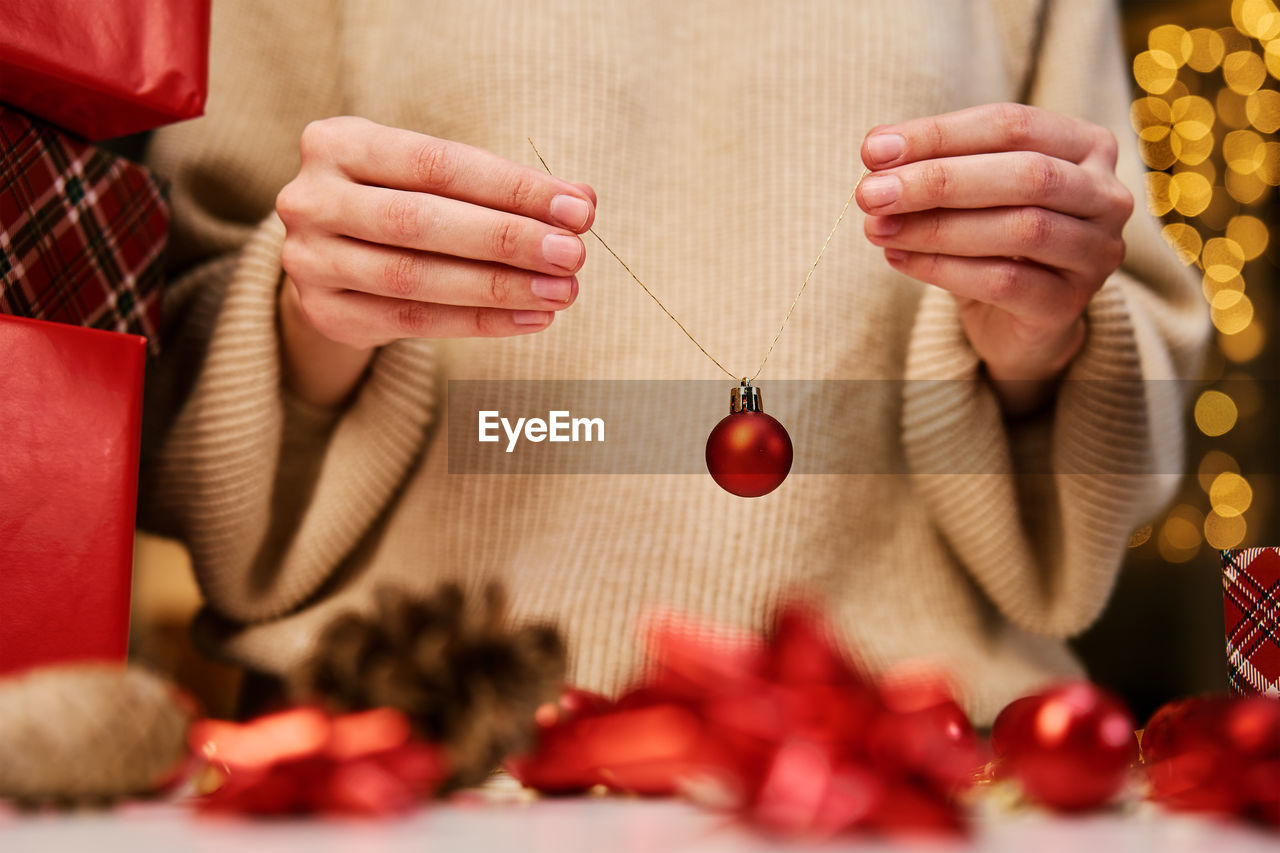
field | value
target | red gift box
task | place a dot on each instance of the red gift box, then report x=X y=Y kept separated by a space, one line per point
x=82 y=232
x=105 y=69
x=70 y=417
x=1251 y=601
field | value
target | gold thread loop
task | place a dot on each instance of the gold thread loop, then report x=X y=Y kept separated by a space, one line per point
x=687 y=334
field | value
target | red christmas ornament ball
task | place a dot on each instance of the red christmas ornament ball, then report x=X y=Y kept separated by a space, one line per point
x=1071 y=749
x=1012 y=731
x=749 y=454
x=1184 y=725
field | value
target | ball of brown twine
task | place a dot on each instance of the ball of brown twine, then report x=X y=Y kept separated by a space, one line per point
x=88 y=734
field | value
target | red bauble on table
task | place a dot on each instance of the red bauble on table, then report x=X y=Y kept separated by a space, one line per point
x=748 y=453
x=1216 y=754
x=1070 y=747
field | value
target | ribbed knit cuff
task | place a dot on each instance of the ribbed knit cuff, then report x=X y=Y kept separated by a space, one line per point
x=1102 y=474
x=219 y=467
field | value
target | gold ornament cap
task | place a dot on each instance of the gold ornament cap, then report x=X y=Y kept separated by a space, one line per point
x=745 y=398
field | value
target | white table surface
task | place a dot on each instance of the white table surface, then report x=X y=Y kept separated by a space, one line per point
x=589 y=824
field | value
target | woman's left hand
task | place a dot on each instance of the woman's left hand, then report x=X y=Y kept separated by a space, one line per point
x=1017 y=212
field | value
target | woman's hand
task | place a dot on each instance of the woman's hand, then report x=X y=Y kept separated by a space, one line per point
x=1017 y=212
x=393 y=234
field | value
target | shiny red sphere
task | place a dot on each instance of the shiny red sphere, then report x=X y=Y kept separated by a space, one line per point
x=1012 y=730
x=1070 y=747
x=749 y=454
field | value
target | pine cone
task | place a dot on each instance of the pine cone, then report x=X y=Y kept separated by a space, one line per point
x=464 y=680
x=88 y=734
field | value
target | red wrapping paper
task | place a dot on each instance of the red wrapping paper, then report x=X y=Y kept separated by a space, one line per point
x=102 y=70
x=70 y=419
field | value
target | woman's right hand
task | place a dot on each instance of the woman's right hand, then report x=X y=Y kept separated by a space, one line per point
x=393 y=234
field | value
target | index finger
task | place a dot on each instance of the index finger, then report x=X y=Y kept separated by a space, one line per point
x=402 y=159
x=986 y=129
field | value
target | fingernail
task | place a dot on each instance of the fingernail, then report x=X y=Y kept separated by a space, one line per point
x=531 y=318
x=555 y=289
x=562 y=251
x=895 y=256
x=884 y=226
x=885 y=147
x=570 y=211
x=881 y=190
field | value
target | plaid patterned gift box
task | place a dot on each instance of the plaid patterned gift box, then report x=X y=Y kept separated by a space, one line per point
x=81 y=232
x=1251 y=599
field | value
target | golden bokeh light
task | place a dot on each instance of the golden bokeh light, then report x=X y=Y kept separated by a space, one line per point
x=1207 y=50
x=1147 y=111
x=1215 y=413
x=1243 y=70
x=1269 y=171
x=1256 y=18
x=1271 y=58
x=1230 y=494
x=1155 y=144
x=1212 y=464
x=1222 y=257
x=1173 y=40
x=1156 y=71
x=1263 y=110
x=1180 y=535
x=1192 y=108
x=1212 y=286
x=1190 y=193
x=1222 y=533
x=1193 y=151
x=1207 y=118
x=1159 y=193
x=1184 y=239
x=1245 y=345
x=1244 y=151
x=1246 y=188
x=1249 y=233
x=1231 y=311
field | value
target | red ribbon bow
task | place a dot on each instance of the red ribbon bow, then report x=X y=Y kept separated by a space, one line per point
x=304 y=760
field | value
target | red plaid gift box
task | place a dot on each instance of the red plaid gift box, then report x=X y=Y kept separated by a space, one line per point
x=1251 y=599
x=81 y=232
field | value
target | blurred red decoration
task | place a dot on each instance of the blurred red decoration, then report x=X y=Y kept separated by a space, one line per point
x=1216 y=755
x=303 y=761
x=787 y=733
x=1069 y=747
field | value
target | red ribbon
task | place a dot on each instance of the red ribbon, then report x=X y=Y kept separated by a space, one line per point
x=303 y=761
x=786 y=733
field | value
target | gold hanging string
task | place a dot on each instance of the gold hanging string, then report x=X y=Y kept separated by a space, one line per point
x=658 y=301
x=808 y=276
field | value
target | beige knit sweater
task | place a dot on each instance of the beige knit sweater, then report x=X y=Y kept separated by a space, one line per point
x=721 y=136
